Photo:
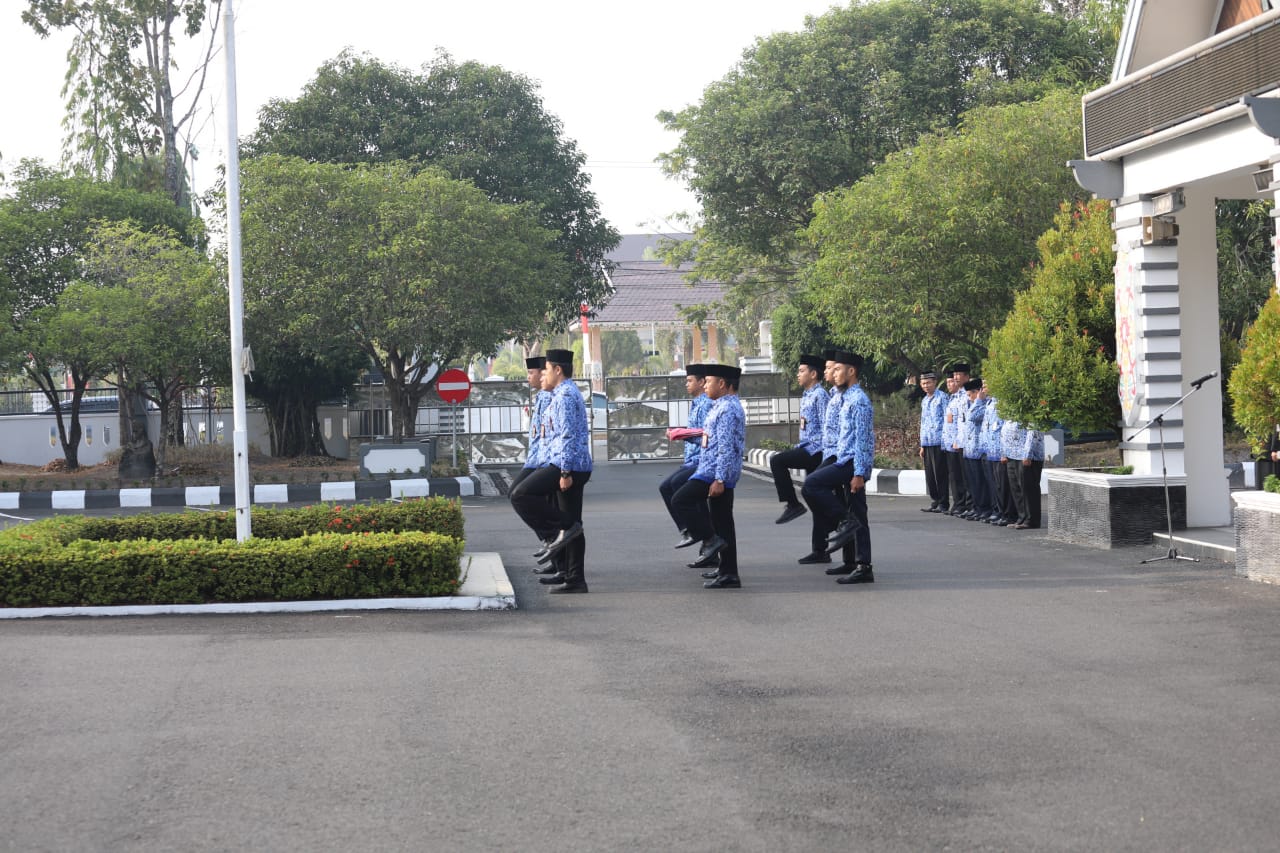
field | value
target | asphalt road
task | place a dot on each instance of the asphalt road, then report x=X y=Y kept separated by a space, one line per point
x=991 y=691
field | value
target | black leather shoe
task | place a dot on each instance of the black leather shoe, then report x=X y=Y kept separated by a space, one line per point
x=714 y=573
x=713 y=546
x=792 y=511
x=842 y=538
x=558 y=577
x=842 y=569
x=840 y=529
x=723 y=582
x=709 y=561
x=861 y=574
x=564 y=588
x=928 y=509
x=686 y=541
x=546 y=543
x=562 y=540
x=546 y=570
x=814 y=558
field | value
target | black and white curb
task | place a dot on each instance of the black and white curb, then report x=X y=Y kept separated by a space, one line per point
x=485 y=586
x=265 y=493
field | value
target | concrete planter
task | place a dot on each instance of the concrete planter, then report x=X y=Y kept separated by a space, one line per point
x=1257 y=520
x=1110 y=510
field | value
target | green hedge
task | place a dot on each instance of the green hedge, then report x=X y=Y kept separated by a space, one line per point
x=385 y=550
x=429 y=515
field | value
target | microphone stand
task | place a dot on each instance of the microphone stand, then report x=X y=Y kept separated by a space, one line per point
x=1158 y=422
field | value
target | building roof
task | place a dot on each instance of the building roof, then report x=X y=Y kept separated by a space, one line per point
x=649 y=293
x=641 y=247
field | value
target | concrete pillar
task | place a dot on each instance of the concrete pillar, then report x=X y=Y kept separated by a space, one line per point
x=597 y=360
x=696 y=335
x=713 y=343
x=1167 y=336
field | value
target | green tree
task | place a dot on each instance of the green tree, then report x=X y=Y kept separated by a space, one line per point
x=154 y=297
x=1255 y=382
x=46 y=225
x=473 y=122
x=414 y=268
x=1054 y=359
x=125 y=110
x=808 y=112
x=920 y=260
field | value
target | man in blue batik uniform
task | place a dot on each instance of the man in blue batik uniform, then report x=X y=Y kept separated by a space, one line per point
x=830 y=441
x=695 y=377
x=807 y=455
x=566 y=437
x=855 y=455
x=972 y=416
x=724 y=441
x=961 y=499
x=933 y=416
x=534 y=367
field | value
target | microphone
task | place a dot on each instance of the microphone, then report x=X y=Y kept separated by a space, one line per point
x=1204 y=379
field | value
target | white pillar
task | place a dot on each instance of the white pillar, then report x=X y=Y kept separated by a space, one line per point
x=1208 y=494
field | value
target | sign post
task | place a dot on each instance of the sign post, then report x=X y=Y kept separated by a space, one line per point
x=454 y=386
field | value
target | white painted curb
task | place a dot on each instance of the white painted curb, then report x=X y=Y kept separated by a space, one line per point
x=485 y=586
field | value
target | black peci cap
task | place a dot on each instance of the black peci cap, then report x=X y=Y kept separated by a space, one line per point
x=537 y=362
x=959 y=367
x=851 y=359
x=698 y=370
x=817 y=362
x=560 y=356
x=973 y=385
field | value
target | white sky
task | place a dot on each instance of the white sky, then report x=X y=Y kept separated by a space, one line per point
x=605 y=70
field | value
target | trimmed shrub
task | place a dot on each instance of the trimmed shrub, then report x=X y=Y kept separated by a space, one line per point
x=384 y=550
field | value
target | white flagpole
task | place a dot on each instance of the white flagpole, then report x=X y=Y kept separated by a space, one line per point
x=240 y=435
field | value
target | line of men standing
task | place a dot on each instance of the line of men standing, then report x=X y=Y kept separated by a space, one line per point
x=978 y=466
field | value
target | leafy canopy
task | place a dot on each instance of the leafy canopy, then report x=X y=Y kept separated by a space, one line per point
x=919 y=260
x=1054 y=359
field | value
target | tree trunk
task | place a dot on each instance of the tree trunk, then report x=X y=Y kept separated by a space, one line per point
x=137 y=458
x=294 y=427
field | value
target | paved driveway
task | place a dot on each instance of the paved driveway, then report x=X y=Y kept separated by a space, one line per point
x=990 y=691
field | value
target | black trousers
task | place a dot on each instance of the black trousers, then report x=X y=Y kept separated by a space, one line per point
x=529 y=498
x=668 y=488
x=826 y=491
x=998 y=483
x=1024 y=482
x=975 y=476
x=704 y=516
x=961 y=500
x=935 y=476
x=782 y=463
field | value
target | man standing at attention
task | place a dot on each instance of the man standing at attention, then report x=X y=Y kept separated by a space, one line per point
x=694 y=379
x=724 y=442
x=933 y=414
x=565 y=472
x=807 y=455
x=961 y=502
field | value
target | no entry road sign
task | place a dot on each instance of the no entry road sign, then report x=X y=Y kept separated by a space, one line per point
x=453 y=386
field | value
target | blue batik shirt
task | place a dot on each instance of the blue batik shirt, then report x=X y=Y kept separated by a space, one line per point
x=933 y=417
x=1013 y=441
x=534 y=459
x=857 y=432
x=831 y=424
x=1033 y=449
x=954 y=409
x=724 y=441
x=698 y=411
x=813 y=411
x=971 y=427
x=991 y=431
x=566 y=433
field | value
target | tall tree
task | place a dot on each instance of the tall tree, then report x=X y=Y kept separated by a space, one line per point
x=920 y=260
x=46 y=225
x=473 y=122
x=154 y=295
x=413 y=267
x=125 y=109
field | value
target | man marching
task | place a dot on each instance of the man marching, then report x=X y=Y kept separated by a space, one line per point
x=807 y=455
x=695 y=377
x=724 y=442
x=855 y=455
x=836 y=374
x=566 y=438
x=533 y=459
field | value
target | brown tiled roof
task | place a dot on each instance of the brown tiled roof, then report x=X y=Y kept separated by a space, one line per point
x=648 y=292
